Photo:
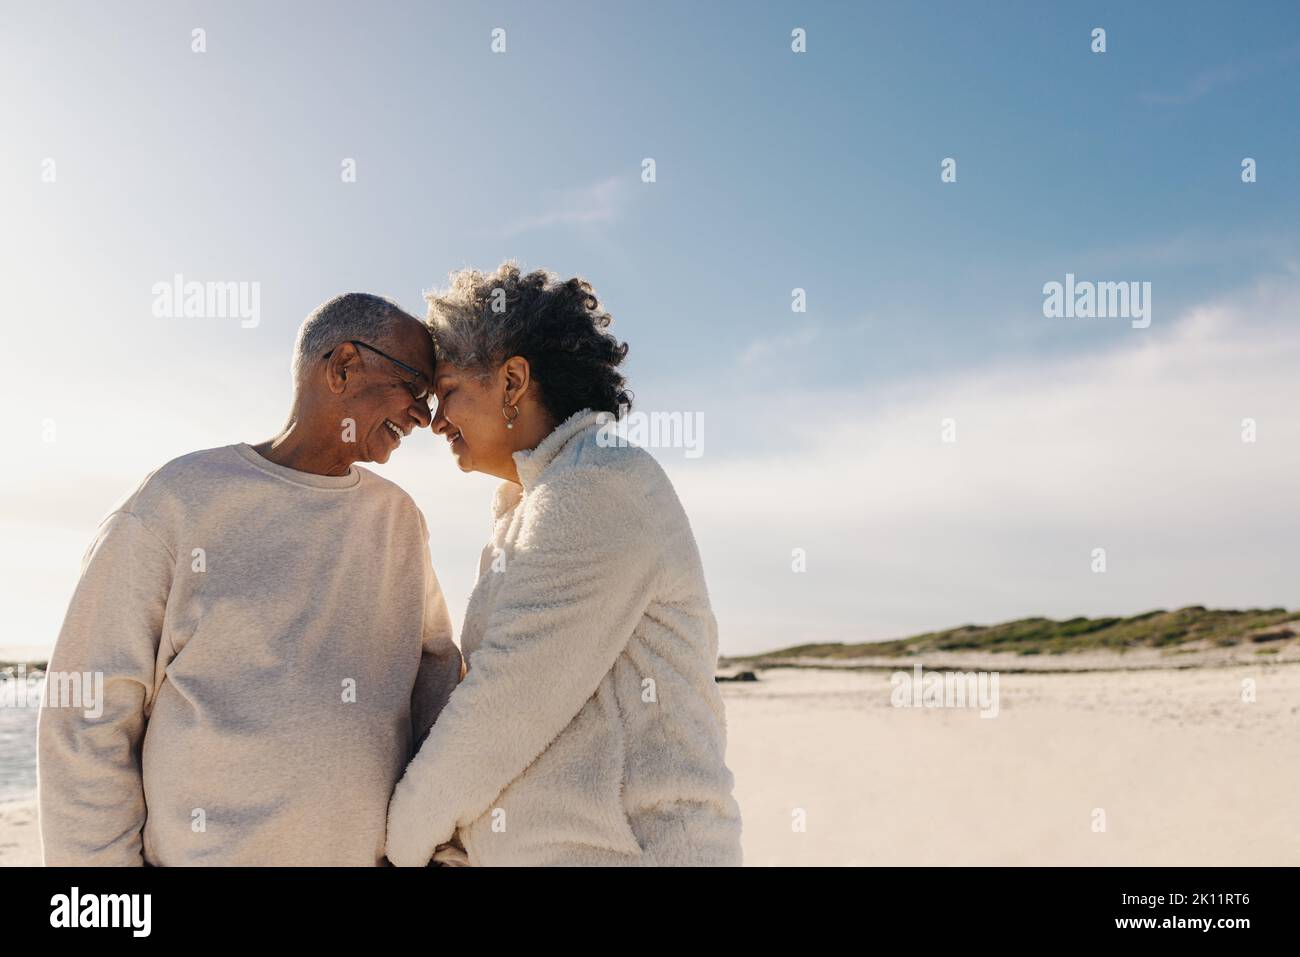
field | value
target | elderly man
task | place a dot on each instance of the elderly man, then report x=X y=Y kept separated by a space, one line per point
x=272 y=640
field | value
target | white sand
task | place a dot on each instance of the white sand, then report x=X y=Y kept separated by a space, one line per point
x=1186 y=773
x=20 y=842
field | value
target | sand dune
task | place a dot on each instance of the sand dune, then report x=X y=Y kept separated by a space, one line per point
x=1186 y=772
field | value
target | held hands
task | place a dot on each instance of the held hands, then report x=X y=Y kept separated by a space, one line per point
x=450 y=854
x=409 y=842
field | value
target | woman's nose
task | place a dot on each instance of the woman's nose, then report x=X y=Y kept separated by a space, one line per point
x=439 y=422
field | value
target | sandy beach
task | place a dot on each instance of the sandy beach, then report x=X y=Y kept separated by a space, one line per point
x=1185 y=771
x=20 y=843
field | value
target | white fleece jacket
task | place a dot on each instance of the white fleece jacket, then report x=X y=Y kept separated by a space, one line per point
x=588 y=729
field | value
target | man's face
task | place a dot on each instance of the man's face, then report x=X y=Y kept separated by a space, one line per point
x=381 y=395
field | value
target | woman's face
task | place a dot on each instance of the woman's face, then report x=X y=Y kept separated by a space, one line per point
x=469 y=417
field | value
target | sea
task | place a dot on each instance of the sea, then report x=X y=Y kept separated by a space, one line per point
x=17 y=752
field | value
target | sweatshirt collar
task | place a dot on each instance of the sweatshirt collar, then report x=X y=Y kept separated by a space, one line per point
x=348 y=480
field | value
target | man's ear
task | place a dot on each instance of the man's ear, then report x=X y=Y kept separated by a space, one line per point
x=519 y=379
x=345 y=360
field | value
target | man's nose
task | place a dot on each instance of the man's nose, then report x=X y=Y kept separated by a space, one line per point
x=422 y=413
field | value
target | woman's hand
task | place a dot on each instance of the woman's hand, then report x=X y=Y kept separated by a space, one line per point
x=411 y=841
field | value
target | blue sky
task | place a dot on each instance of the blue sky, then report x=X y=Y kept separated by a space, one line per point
x=775 y=170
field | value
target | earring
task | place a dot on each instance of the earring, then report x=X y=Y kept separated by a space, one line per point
x=510 y=420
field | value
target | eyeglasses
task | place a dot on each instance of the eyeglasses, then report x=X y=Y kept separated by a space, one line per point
x=418 y=392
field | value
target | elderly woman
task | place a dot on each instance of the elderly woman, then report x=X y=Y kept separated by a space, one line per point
x=588 y=729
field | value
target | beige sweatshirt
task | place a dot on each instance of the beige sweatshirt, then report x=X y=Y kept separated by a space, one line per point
x=271 y=644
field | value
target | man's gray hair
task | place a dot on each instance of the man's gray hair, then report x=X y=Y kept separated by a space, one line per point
x=353 y=315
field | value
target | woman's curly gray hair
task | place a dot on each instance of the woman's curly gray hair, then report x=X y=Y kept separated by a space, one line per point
x=556 y=324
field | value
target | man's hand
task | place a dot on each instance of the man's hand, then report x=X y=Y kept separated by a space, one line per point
x=450 y=854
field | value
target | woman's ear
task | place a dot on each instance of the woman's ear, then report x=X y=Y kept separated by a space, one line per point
x=518 y=379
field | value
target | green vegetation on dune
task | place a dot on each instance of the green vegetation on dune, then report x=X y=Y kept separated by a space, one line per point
x=1196 y=626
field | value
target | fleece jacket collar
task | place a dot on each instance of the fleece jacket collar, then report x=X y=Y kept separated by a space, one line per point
x=531 y=463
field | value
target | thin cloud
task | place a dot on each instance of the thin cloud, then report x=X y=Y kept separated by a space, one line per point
x=1222 y=76
x=598 y=204
x=1137 y=450
x=768 y=347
